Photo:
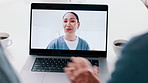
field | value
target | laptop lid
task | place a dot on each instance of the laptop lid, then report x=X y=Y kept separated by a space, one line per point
x=62 y=29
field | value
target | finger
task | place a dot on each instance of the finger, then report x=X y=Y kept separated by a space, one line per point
x=96 y=69
x=71 y=65
x=69 y=73
x=76 y=61
x=81 y=62
x=72 y=68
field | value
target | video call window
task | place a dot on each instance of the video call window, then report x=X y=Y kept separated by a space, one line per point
x=48 y=25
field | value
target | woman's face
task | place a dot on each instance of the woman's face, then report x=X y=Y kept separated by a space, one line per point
x=70 y=24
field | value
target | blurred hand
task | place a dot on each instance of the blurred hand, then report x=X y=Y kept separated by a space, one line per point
x=81 y=71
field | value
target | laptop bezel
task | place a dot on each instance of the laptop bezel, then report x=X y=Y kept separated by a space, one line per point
x=68 y=6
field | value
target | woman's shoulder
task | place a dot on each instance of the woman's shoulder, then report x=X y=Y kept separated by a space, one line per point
x=82 y=40
x=58 y=39
x=54 y=43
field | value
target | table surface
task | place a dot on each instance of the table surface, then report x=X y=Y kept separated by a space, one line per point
x=127 y=18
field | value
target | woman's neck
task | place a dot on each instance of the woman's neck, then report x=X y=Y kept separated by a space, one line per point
x=70 y=37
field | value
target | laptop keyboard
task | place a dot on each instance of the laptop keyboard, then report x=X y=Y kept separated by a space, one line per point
x=53 y=64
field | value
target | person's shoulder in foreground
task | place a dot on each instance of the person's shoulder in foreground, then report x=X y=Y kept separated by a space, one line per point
x=7 y=74
x=132 y=65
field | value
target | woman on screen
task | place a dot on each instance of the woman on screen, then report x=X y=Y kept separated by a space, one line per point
x=69 y=41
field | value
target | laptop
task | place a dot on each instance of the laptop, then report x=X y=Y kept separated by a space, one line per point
x=59 y=31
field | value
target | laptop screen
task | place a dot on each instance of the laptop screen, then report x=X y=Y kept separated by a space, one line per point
x=68 y=29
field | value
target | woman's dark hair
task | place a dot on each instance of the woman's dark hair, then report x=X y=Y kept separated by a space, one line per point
x=73 y=14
